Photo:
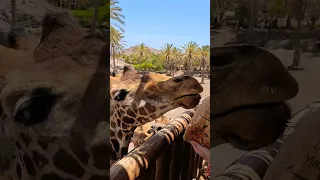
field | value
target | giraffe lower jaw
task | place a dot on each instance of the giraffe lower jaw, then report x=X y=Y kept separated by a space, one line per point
x=188 y=101
x=252 y=126
x=254 y=107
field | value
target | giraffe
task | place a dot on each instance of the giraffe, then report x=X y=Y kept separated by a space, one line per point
x=53 y=105
x=137 y=99
x=144 y=132
x=249 y=104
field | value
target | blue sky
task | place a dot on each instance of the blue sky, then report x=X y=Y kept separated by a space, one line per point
x=156 y=22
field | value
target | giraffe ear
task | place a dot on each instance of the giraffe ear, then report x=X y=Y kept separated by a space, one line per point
x=34 y=108
x=130 y=73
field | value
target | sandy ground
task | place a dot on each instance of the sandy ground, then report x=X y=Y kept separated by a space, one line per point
x=309 y=90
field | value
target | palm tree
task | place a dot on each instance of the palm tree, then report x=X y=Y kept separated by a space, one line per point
x=142 y=51
x=13 y=11
x=116 y=36
x=95 y=16
x=190 y=51
x=298 y=8
x=116 y=44
x=116 y=15
x=167 y=54
x=253 y=17
x=177 y=56
x=205 y=56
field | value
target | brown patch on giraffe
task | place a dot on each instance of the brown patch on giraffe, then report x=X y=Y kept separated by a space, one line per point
x=112 y=133
x=118 y=122
x=124 y=126
x=43 y=144
x=113 y=124
x=76 y=142
x=150 y=107
x=131 y=113
x=18 y=170
x=26 y=138
x=124 y=151
x=99 y=177
x=29 y=165
x=120 y=112
x=127 y=137
x=142 y=111
x=120 y=134
x=100 y=155
x=39 y=160
x=128 y=120
x=140 y=119
x=66 y=163
x=52 y=176
x=153 y=116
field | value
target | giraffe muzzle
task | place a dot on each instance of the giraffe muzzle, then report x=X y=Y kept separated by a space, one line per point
x=188 y=101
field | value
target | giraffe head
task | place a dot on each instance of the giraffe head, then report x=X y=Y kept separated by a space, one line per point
x=144 y=132
x=137 y=99
x=54 y=111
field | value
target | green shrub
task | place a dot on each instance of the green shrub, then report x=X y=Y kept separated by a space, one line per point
x=85 y=16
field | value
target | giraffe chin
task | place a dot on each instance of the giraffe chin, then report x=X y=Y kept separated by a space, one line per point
x=189 y=101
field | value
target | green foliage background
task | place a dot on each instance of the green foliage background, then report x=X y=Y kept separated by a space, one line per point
x=85 y=16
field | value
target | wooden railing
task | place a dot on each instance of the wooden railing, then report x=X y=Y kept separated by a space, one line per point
x=165 y=156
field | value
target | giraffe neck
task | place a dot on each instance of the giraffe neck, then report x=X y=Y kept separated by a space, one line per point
x=120 y=139
x=124 y=120
x=42 y=158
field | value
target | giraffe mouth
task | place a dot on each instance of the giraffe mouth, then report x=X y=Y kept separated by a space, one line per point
x=269 y=122
x=253 y=107
x=188 y=101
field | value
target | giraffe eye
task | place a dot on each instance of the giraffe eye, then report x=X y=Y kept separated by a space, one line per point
x=121 y=95
x=35 y=109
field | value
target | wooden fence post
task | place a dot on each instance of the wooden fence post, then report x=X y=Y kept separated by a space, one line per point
x=138 y=161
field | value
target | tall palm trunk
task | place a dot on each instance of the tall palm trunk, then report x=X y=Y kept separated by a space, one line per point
x=203 y=69
x=296 y=55
x=13 y=11
x=253 y=5
x=140 y=60
x=95 y=17
x=189 y=65
x=167 y=65
x=113 y=58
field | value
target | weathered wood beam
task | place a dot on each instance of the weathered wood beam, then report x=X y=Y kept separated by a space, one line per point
x=137 y=161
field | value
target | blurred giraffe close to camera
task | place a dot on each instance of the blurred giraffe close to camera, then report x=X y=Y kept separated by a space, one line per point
x=53 y=103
